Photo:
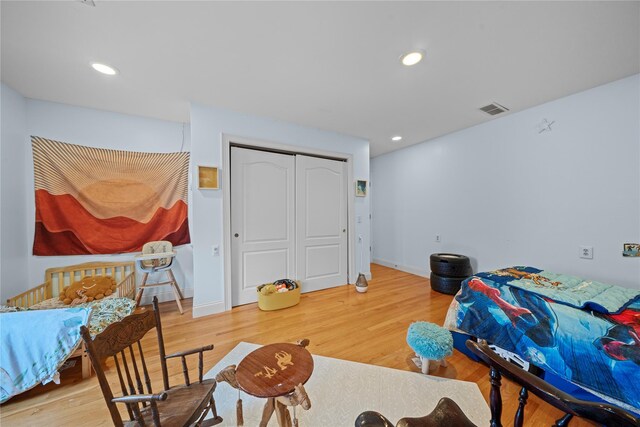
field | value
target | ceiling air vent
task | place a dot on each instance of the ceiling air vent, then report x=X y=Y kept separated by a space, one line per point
x=494 y=109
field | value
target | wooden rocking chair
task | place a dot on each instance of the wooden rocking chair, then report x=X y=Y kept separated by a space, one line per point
x=182 y=405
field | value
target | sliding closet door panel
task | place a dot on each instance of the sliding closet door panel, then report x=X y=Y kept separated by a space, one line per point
x=322 y=261
x=266 y=189
x=321 y=212
x=262 y=220
x=323 y=199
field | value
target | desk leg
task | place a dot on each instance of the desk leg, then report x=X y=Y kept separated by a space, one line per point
x=282 y=413
x=267 y=411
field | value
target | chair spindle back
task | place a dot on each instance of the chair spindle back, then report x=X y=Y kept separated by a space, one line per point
x=122 y=342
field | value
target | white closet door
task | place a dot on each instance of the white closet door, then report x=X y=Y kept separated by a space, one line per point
x=262 y=220
x=321 y=217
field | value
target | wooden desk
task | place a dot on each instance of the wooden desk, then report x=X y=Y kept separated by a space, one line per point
x=273 y=371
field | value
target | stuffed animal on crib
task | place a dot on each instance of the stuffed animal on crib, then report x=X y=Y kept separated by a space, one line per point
x=88 y=289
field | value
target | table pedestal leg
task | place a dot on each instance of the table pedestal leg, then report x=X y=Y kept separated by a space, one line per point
x=282 y=413
x=267 y=411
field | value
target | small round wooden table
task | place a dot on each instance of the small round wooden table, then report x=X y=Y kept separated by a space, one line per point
x=272 y=371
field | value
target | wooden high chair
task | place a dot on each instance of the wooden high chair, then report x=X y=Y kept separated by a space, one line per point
x=157 y=257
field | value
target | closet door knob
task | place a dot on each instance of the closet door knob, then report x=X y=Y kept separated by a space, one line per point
x=236 y=235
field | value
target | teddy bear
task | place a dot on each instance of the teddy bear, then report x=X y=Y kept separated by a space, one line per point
x=88 y=289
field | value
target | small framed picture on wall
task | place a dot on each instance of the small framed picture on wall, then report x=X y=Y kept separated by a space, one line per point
x=361 y=188
x=208 y=178
x=631 y=249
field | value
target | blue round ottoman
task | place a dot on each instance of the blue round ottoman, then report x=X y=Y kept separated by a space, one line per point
x=430 y=342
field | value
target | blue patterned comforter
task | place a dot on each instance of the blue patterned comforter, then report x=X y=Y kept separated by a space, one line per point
x=595 y=350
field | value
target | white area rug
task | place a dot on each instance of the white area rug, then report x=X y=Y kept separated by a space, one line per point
x=340 y=390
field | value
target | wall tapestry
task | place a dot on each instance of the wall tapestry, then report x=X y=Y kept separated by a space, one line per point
x=99 y=201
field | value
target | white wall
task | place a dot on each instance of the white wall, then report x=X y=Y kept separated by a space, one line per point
x=195 y=265
x=96 y=128
x=13 y=196
x=207 y=127
x=504 y=194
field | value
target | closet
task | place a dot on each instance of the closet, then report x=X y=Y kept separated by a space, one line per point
x=288 y=220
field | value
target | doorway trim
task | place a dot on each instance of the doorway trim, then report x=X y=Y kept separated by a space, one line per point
x=227 y=141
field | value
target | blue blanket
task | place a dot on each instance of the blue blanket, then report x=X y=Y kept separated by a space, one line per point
x=598 y=351
x=569 y=290
x=34 y=344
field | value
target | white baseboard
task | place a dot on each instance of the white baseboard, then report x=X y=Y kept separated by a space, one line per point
x=407 y=269
x=164 y=294
x=207 y=309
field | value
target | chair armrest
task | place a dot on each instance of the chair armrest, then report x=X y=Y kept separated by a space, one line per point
x=143 y=257
x=132 y=405
x=138 y=398
x=183 y=355
x=192 y=351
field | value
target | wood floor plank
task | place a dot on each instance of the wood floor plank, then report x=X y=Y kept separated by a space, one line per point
x=368 y=328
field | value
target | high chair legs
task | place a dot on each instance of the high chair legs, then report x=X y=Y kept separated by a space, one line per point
x=174 y=287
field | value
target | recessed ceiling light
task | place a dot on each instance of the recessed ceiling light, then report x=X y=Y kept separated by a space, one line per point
x=412 y=58
x=104 y=69
x=396 y=138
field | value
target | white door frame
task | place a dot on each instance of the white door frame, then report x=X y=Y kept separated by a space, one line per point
x=227 y=141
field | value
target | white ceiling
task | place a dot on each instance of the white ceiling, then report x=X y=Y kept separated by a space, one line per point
x=329 y=65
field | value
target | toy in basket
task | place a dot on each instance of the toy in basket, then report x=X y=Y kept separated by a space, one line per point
x=279 y=294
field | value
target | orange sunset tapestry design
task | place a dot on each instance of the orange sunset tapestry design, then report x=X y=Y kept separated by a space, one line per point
x=98 y=201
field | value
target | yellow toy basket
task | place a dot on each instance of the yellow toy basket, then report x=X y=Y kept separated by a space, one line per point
x=277 y=301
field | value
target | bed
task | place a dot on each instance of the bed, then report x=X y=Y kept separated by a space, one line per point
x=582 y=331
x=41 y=305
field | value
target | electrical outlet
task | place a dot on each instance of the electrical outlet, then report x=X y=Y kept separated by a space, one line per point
x=438 y=238
x=586 y=252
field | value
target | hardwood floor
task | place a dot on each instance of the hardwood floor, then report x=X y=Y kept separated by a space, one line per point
x=367 y=328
